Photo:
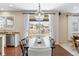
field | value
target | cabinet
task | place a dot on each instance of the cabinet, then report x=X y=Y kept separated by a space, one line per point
x=12 y=40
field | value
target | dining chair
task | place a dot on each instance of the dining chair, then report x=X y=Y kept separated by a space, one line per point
x=25 y=45
x=24 y=51
x=76 y=42
x=52 y=42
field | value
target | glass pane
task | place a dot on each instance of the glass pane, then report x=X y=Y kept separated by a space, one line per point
x=75 y=24
x=2 y=22
x=32 y=17
x=10 y=22
x=34 y=29
x=44 y=28
x=46 y=18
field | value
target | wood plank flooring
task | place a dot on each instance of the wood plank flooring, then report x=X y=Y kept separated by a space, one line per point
x=13 y=51
x=58 y=51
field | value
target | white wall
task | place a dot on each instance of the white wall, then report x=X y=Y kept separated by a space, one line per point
x=63 y=28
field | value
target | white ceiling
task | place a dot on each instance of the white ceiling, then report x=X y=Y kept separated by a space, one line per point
x=62 y=7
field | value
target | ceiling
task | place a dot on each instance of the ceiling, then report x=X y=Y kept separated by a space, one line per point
x=58 y=7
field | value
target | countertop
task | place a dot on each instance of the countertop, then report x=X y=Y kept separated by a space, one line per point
x=9 y=32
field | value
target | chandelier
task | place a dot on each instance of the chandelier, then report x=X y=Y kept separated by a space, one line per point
x=39 y=14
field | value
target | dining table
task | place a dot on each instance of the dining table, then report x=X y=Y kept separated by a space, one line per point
x=39 y=47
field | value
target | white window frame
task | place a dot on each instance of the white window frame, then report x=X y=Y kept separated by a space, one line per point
x=5 y=27
x=70 y=26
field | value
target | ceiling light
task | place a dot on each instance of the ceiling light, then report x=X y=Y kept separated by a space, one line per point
x=2 y=9
x=11 y=5
x=5 y=13
x=75 y=7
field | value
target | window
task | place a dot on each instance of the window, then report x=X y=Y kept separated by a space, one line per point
x=75 y=24
x=2 y=22
x=10 y=22
x=37 y=27
x=6 y=22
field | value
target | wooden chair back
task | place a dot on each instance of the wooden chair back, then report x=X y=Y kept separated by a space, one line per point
x=75 y=38
x=22 y=47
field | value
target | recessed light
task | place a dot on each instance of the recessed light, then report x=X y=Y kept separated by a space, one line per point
x=2 y=9
x=5 y=13
x=75 y=7
x=11 y=5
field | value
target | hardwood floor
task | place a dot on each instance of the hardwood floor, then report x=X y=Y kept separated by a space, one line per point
x=58 y=51
x=13 y=51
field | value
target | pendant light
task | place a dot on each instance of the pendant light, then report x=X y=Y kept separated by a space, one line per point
x=39 y=14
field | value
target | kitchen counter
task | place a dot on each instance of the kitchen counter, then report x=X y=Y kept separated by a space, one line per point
x=9 y=39
x=9 y=32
